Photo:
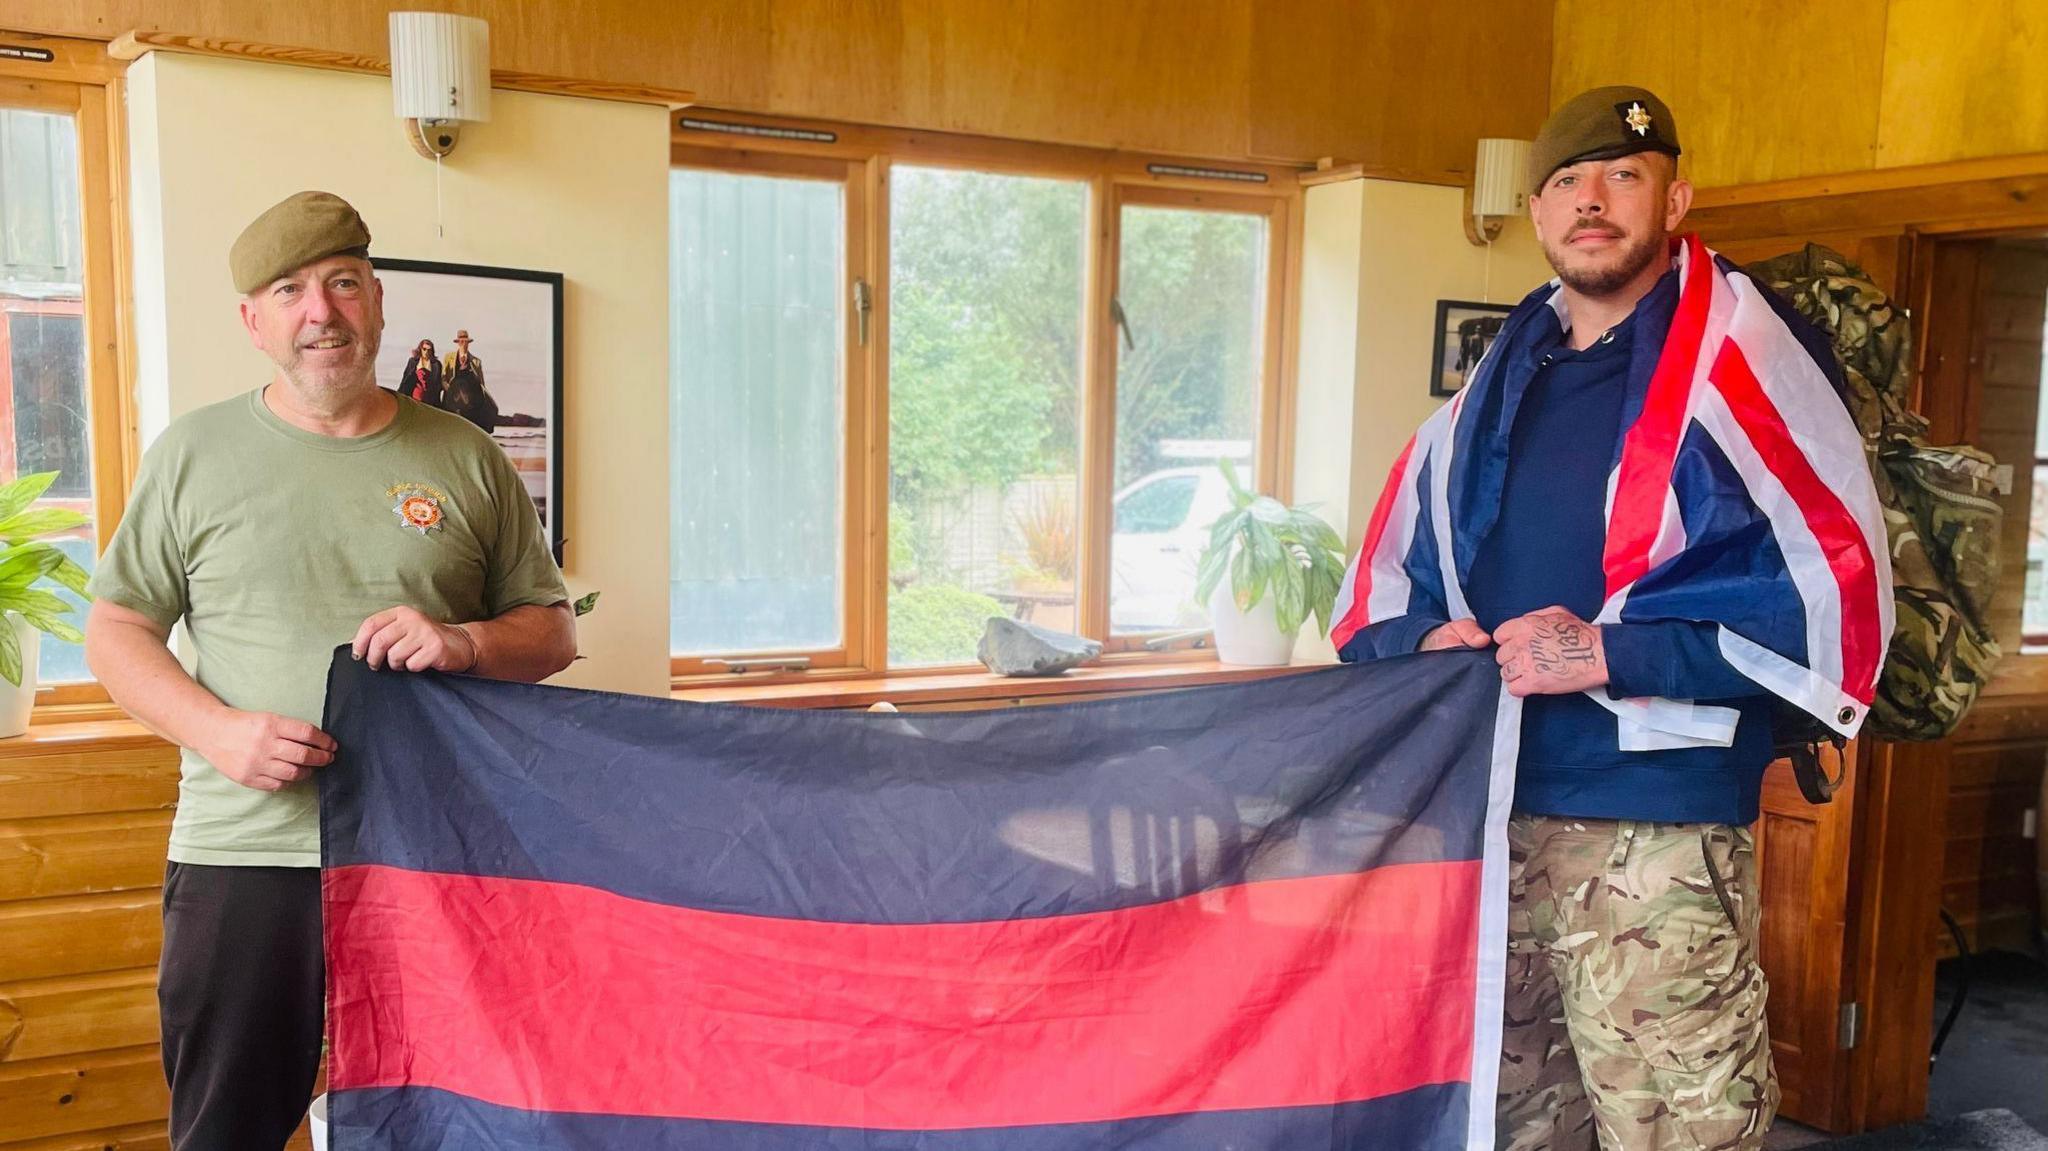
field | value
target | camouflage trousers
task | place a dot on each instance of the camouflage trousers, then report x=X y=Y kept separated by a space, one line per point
x=1635 y=1005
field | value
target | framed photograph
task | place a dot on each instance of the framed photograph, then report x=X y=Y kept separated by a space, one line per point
x=1464 y=330
x=485 y=344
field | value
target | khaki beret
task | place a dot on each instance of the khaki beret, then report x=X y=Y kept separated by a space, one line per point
x=1602 y=124
x=293 y=233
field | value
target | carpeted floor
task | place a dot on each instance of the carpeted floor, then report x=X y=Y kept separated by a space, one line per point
x=1997 y=1056
x=1989 y=1091
x=1993 y=1130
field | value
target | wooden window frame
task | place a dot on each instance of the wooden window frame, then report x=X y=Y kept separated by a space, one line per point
x=855 y=178
x=1272 y=447
x=84 y=82
x=2030 y=642
x=1114 y=179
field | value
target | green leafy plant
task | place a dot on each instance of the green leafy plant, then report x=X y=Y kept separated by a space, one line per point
x=26 y=561
x=937 y=623
x=585 y=605
x=1263 y=546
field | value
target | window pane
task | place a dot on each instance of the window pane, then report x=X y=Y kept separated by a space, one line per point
x=987 y=280
x=1159 y=505
x=1193 y=289
x=44 y=417
x=2034 y=619
x=757 y=275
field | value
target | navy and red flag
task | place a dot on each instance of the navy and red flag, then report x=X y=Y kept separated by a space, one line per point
x=1266 y=915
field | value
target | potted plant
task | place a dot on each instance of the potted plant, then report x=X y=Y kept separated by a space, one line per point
x=1266 y=569
x=25 y=562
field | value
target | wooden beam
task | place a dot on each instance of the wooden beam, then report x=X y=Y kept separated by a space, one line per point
x=1339 y=173
x=71 y=61
x=853 y=141
x=1334 y=175
x=134 y=45
x=1962 y=195
x=1873 y=180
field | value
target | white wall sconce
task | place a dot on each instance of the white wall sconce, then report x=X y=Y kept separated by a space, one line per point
x=440 y=77
x=1498 y=188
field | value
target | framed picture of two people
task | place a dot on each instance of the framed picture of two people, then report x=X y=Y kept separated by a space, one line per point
x=486 y=345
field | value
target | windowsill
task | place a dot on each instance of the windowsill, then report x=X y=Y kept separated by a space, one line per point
x=46 y=738
x=69 y=732
x=913 y=689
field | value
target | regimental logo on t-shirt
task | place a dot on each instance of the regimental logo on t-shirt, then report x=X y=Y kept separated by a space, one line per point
x=418 y=507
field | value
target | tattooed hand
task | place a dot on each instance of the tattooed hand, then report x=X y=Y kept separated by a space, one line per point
x=1550 y=652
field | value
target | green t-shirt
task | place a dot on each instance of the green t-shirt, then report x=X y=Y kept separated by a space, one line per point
x=273 y=544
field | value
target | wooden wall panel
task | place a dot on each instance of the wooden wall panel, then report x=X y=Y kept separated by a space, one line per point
x=1761 y=90
x=2013 y=284
x=1770 y=91
x=1407 y=87
x=66 y=1096
x=94 y=779
x=48 y=937
x=1963 y=80
x=82 y=853
x=135 y=1137
x=79 y=1014
x=84 y=823
x=1981 y=382
x=1412 y=94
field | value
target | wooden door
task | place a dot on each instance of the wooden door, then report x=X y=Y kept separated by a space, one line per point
x=1803 y=863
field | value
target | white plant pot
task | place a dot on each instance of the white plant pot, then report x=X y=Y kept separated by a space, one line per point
x=1252 y=638
x=316 y=1120
x=17 y=702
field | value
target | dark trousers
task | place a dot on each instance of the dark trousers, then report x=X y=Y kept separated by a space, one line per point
x=242 y=993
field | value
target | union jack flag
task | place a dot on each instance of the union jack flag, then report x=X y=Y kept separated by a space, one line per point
x=1739 y=496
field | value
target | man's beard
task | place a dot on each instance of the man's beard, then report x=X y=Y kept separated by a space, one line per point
x=1628 y=263
x=358 y=370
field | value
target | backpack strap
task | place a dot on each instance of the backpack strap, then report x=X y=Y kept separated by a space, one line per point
x=1814 y=783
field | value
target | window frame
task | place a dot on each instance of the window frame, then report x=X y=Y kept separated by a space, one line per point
x=855 y=179
x=2032 y=643
x=1270 y=449
x=1114 y=178
x=84 y=82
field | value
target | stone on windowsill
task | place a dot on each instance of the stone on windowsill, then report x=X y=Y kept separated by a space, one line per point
x=1009 y=647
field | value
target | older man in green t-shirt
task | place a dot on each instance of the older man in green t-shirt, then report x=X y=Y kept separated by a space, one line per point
x=315 y=511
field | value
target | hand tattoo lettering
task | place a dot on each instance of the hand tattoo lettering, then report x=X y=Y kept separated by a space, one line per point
x=1561 y=648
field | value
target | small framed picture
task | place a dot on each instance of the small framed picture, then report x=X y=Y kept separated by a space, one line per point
x=1464 y=330
x=486 y=345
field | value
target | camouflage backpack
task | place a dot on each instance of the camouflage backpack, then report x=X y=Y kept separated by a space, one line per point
x=1941 y=511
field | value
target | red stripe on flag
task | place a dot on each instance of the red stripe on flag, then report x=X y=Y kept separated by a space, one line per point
x=1650 y=449
x=1841 y=539
x=555 y=997
x=1375 y=529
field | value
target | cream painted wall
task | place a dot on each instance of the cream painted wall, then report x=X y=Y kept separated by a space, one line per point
x=573 y=186
x=1376 y=257
x=1326 y=382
